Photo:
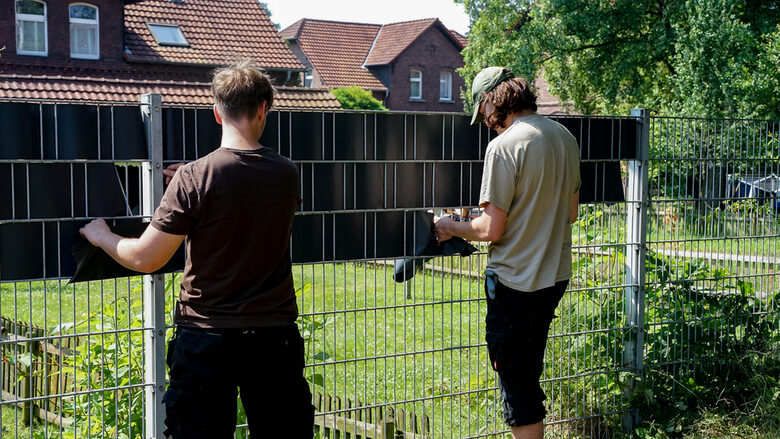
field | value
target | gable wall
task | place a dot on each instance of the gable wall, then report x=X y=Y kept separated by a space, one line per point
x=431 y=53
x=111 y=25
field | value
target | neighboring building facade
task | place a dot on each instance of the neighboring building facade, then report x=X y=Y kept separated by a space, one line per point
x=409 y=66
x=114 y=51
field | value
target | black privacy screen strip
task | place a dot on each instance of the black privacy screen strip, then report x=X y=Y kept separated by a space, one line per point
x=366 y=178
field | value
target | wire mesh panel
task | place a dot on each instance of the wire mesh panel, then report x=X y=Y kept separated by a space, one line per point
x=713 y=234
x=394 y=334
x=72 y=354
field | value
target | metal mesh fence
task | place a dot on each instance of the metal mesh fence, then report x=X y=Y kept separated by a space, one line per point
x=84 y=360
x=72 y=354
x=712 y=238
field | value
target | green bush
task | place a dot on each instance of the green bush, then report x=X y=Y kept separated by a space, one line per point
x=708 y=347
x=356 y=98
x=108 y=361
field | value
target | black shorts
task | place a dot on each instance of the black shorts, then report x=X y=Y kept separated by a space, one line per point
x=208 y=368
x=517 y=326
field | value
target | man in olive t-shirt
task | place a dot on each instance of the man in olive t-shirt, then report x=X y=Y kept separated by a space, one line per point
x=529 y=193
x=235 y=317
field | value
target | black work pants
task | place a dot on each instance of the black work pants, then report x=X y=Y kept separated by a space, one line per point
x=517 y=325
x=208 y=369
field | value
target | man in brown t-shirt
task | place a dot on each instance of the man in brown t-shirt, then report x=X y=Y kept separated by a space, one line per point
x=235 y=317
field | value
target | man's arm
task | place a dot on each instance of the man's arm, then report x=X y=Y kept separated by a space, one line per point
x=145 y=254
x=574 y=207
x=487 y=227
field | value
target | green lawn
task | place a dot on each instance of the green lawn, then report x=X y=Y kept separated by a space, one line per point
x=418 y=348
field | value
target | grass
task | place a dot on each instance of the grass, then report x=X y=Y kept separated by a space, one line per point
x=421 y=348
x=374 y=344
x=47 y=304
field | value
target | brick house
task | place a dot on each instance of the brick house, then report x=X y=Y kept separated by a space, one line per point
x=409 y=66
x=114 y=51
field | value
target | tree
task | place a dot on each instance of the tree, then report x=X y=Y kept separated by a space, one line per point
x=356 y=98
x=691 y=57
x=264 y=5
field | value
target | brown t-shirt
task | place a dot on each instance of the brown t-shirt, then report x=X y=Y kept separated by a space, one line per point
x=236 y=208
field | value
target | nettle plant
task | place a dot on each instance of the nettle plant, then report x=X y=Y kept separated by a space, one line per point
x=107 y=361
x=707 y=342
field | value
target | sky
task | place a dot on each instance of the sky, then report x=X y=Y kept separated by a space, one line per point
x=287 y=12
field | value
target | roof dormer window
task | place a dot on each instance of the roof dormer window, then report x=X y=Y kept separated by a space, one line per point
x=31 y=36
x=84 y=33
x=168 y=34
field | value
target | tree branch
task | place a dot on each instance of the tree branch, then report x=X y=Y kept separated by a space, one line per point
x=591 y=46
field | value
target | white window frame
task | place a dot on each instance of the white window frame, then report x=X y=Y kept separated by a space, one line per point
x=183 y=43
x=445 y=86
x=415 y=77
x=85 y=22
x=37 y=18
x=308 y=78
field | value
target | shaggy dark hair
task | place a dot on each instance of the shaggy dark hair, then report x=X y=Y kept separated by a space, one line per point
x=512 y=95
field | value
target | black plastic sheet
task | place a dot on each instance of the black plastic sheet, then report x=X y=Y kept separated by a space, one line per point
x=425 y=247
x=189 y=134
x=71 y=132
x=347 y=161
x=63 y=190
x=92 y=263
x=601 y=182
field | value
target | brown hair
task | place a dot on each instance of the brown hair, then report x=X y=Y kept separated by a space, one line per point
x=512 y=95
x=240 y=89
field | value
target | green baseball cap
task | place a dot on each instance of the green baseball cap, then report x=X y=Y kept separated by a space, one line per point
x=486 y=80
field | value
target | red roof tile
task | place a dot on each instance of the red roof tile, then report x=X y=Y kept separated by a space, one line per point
x=209 y=27
x=337 y=50
x=396 y=37
x=108 y=90
x=460 y=37
x=301 y=97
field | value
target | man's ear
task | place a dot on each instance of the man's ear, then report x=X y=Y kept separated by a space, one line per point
x=262 y=109
x=216 y=115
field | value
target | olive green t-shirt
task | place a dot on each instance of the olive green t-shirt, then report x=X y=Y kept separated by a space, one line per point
x=531 y=171
x=236 y=208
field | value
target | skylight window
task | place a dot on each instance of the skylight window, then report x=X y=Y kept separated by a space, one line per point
x=168 y=34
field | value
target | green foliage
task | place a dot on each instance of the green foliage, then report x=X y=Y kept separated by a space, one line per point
x=706 y=346
x=113 y=360
x=356 y=98
x=692 y=57
x=264 y=5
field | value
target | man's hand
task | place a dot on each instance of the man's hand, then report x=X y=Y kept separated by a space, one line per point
x=170 y=171
x=487 y=227
x=95 y=231
x=442 y=226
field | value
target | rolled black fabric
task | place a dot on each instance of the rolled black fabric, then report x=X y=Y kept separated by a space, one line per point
x=92 y=263
x=426 y=247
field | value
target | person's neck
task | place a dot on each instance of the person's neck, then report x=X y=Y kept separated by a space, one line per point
x=235 y=138
x=512 y=117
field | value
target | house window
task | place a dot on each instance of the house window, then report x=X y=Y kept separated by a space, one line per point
x=31 y=28
x=415 y=84
x=84 y=31
x=445 y=86
x=308 y=78
x=168 y=34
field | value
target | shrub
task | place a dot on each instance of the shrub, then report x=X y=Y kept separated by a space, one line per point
x=356 y=98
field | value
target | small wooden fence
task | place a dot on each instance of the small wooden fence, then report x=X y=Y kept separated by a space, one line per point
x=33 y=373
x=32 y=369
x=352 y=420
